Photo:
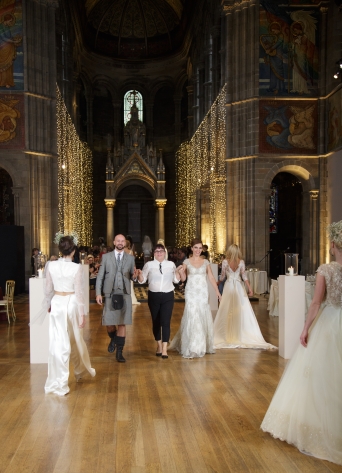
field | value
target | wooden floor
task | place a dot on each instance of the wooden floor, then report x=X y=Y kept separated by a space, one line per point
x=148 y=415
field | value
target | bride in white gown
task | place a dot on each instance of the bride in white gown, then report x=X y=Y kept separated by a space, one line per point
x=235 y=324
x=64 y=294
x=195 y=335
x=306 y=409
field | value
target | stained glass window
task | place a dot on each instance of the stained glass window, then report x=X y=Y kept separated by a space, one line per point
x=273 y=210
x=130 y=96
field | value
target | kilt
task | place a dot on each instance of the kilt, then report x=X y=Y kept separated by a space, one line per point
x=117 y=317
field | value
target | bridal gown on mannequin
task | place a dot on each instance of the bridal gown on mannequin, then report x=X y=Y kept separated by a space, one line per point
x=306 y=409
x=195 y=335
x=65 y=337
x=235 y=324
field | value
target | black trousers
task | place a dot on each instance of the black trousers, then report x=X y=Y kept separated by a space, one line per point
x=161 y=305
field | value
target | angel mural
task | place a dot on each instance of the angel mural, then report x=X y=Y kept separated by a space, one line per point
x=8 y=120
x=288 y=50
x=302 y=51
x=8 y=50
x=290 y=127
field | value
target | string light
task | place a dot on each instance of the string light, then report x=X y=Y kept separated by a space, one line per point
x=75 y=178
x=200 y=163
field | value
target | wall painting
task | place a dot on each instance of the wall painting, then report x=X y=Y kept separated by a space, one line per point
x=288 y=49
x=12 y=134
x=288 y=126
x=11 y=45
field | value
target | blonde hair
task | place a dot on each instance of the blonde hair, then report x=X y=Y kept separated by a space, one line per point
x=233 y=253
x=334 y=231
x=128 y=244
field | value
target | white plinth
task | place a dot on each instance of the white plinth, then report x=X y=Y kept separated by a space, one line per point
x=291 y=313
x=39 y=334
x=86 y=292
x=213 y=301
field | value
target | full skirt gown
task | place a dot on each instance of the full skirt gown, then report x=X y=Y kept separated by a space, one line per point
x=195 y=335
x=65 y=343
x=235 y=324
x=306 y=409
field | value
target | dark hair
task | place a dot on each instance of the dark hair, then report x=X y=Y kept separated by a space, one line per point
x=196 y=241
x=129 y=238
x=34 y=249
x=66 y=245
x=158 y=245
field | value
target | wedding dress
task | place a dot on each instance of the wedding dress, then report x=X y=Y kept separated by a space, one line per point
x=195 y=335
x=306 y=409
x=235 y=324
x=65 y=336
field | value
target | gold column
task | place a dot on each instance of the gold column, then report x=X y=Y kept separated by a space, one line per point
x=110 y=203
x=160 y=203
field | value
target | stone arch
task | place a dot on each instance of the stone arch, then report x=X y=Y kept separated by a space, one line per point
x=108 y=84
x=134 y=84
x=10 y=169
x=296 y=167
x=139 y=181
x=162 y=82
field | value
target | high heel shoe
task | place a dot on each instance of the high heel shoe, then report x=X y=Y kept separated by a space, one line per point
x=158 y=354
x=164 y=357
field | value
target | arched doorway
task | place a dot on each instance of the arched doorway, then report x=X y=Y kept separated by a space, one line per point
x=135 y=214
x=285 y=220
x=6 y=199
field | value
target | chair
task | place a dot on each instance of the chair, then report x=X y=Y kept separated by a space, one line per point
x=8 y=300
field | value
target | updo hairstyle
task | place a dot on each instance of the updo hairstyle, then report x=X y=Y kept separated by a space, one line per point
x=196 y=241
x=335 y=234
x=66 y=245
x=233 y=253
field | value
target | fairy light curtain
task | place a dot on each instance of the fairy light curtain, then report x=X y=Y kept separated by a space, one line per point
x=75 y=178
x=201 y=162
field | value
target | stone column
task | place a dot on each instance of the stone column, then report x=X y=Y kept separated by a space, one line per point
x=110 y=203
x=177 y=102
x=190 y=90
x=161 y=223
x=314 y=249
x=89 y=98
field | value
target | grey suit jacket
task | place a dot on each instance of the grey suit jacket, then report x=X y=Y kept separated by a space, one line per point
x=107 y=272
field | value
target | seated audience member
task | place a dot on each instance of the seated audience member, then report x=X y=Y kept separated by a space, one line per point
x=205 y=252
x=181 y=256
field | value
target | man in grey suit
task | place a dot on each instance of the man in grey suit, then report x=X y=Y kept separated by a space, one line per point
x=114 y=277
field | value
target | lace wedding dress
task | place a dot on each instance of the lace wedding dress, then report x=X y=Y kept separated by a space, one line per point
x=235 y=324
x=306 y=409
x=65 y=336
x=195 y=335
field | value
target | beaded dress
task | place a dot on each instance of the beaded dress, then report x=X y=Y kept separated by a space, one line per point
x=195 y=335
x=306 y=409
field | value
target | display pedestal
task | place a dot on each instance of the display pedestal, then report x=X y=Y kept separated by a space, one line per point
x=291 y=313
x=213 y=301
x=39 y=333
x=86 y=292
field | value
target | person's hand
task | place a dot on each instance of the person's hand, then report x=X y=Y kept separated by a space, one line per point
x=250 y=293
x=304 y=338
x=81 y=321
x=99 y=299
x=218 y=282
x=219 y=297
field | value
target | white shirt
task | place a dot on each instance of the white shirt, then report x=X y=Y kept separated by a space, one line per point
x=159 y=281
x=121 y=253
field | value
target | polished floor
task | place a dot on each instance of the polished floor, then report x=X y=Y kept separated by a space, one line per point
x=148 y=415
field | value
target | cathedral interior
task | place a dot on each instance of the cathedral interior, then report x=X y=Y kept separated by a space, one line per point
x=175 y=119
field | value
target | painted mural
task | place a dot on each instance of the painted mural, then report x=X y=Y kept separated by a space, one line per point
x=288 y=126
x=11 y=45
x=12 y=121
x=288 y=51
x=335 y=121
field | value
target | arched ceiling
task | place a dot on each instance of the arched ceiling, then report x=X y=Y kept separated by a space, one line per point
x=135 y=29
